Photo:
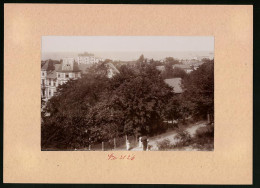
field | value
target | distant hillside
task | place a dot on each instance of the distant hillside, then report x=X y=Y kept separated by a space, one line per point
x=129 y=56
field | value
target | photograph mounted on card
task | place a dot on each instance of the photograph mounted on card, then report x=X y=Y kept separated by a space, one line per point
x=133 y=93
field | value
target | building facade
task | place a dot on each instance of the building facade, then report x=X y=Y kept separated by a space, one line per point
x=89 y=60
x=53 y=75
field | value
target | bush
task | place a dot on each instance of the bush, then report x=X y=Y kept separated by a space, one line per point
x=164 y=145
x=204 y=138
x=183 y=137
x=207 y=131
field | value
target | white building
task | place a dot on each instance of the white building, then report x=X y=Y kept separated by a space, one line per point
x=54 y=74
x=88 y=60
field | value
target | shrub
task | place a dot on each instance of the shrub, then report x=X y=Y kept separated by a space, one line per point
x=207 y=131
x=164 y=145
x=204 y=138
x=183 y=137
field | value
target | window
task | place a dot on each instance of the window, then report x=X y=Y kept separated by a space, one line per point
x=72 y=75
x=50 y=93
x=67 y=75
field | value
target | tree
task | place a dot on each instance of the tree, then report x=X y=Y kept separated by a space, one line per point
x=178 y=73
x=156 y=62
x=142 y=99
x=97 y=108
x=65 y=127
x=168 y=72
x=171 y=61
x=199 y=90
x=171 y=72
x=141 y=61
x=172 y=110
x=135 y=104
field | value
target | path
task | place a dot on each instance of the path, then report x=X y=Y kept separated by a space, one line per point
x=170 y=136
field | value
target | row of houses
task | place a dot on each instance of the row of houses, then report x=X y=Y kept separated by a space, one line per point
x=188 y=68
x=55 y=73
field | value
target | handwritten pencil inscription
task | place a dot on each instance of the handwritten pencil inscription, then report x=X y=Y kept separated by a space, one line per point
x=120 y=157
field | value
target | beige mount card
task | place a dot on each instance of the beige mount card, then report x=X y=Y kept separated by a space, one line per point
x=229 y=163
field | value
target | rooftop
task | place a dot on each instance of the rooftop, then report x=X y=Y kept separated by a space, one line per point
x=175 y=83
x=73 y=68
x=160 y=68
x=111 y=66
x=182 y=66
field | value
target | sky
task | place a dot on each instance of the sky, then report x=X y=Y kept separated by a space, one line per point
x=126 y=45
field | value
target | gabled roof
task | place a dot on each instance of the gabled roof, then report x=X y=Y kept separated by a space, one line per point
x=175 y=83
x=52 y=73
x=48 y=64
x=112 y=67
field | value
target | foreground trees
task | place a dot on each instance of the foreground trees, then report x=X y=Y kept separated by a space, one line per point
x=95 y=108
x=134 y=102
x=199 y=90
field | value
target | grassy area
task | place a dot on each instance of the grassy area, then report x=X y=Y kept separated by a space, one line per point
x=202 y=140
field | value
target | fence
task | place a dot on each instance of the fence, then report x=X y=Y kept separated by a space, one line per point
x=118 y=143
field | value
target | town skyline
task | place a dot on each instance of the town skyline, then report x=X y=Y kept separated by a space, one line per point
x=128 y=48
x=130 y=56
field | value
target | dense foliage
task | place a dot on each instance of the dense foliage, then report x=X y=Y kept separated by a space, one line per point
x=95 y=108
x=199 y=90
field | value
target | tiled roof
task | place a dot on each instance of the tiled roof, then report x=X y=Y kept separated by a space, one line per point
x=175 y=83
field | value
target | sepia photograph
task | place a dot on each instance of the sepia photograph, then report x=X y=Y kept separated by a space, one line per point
x=127 y=93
